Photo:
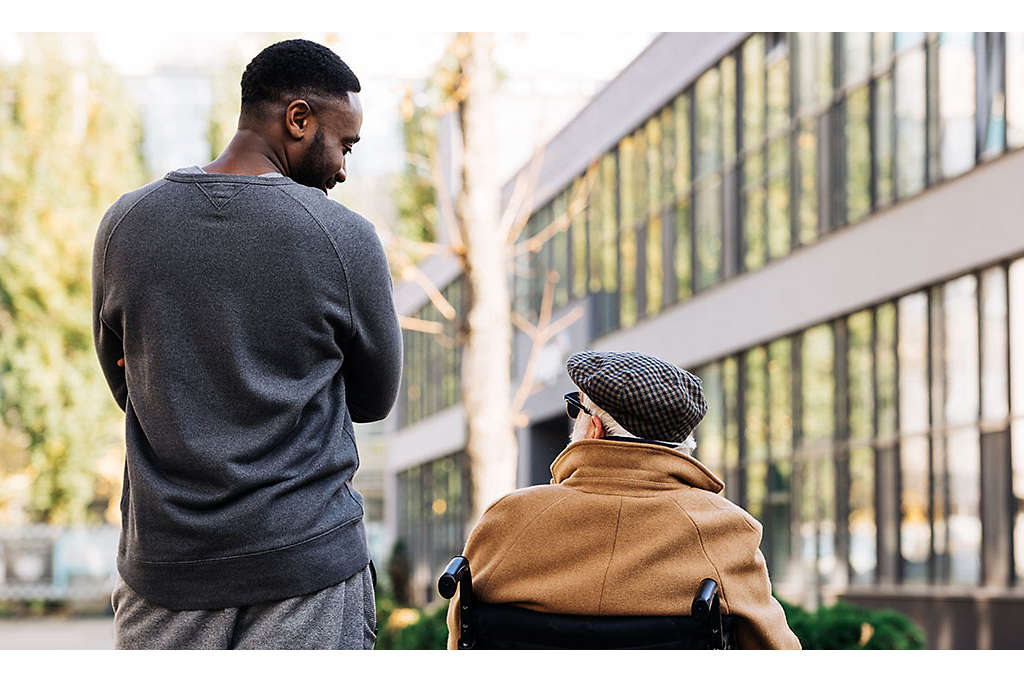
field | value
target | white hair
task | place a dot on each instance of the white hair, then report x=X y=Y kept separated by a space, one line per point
x=614 y=428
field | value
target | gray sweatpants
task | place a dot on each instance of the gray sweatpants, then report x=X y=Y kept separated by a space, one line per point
x=342 y=616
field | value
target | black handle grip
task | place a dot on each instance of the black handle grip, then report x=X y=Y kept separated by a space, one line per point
x=706 y=593
x=457 y=569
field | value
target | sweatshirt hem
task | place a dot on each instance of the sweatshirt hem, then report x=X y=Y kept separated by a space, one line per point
x=228 y=582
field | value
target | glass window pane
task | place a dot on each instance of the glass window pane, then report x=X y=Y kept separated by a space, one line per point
x=885 y=369
x=1015 y=89
x=882 y=48
x=961 y=342
x=991 y=48
x=755 y=393
x=652 y=158
x=667 y=155
x=682 y=137
x=755 y=428
x=858 y=155
x=807 y=216
x=560 y=251
x=579 y=240
x=863 y=530
x=910 y=122
x=814 y=52
x=711 y=430
x=753 y=91
x=607 y=227
x=956 y=102
x=1016 y=311
x=728 y=69
x=856 y=58
x=995 y=404
x=654 y=271
x=908 y=39
x=753 y=198
x=883 y=141
x=730 y=388
x=778 y=226
x=860 y=373
x=709 y=231
x=778 y=505
x=628 y=254
x=961 y=525
x=709 y=122
x=628 y=200
x=777 y=83
x=915 y=531
x=818 y=388
x=683 y=255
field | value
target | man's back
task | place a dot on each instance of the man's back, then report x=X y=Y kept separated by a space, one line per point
x=256 y=321
x=626 y=529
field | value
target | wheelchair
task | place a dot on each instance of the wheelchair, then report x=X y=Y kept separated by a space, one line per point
x=499 y=626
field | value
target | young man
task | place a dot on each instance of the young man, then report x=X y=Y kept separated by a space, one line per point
x=631 y=522
x=243 y=321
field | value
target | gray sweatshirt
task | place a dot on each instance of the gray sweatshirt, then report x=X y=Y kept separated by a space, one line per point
x=257 y=322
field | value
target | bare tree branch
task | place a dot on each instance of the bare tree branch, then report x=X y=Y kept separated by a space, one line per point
x=577 y=204
x=514 y=220
x=417 y=325
x=411 y=273
x=539 y=335
x=446 y=206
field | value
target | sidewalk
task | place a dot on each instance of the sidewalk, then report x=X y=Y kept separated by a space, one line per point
x=57 y=633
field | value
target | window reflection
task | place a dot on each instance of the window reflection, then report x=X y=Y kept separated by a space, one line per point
x=711 y=431
x=958 y=520
x=778 y=506
x=883 y=142
x=856 y=57
x=858 y=155
x=1016 y=311
x=910 y=122
x=709 y=231
x=956 y=102
x=915 y=531
x=754 y=432
x=1015 y=89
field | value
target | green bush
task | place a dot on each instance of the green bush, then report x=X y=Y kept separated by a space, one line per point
x=844 y=626
x=400 y=627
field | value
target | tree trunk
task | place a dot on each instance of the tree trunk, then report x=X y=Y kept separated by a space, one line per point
x=486 y=372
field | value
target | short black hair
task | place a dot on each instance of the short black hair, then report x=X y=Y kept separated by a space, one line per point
x=295 y=69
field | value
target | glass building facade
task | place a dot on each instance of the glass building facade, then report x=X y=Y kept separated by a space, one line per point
x=880 y=447
x=786 y=138
x=875 y=447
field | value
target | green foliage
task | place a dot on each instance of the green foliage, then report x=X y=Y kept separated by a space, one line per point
x=400 y=571
x=70 y=144
x=410 y=628
x=414 y=193
x=844 y=626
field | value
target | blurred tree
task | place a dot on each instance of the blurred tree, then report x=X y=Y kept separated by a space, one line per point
x=70 y=143
x=414 y=191
x=466 y=220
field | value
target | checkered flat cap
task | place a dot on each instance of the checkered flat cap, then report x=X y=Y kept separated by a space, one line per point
x=650 y=398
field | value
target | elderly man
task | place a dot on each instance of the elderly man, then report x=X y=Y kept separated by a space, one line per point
x=631 y=522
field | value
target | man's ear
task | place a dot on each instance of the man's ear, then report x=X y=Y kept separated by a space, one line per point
x=297 y=118
x=596 y=428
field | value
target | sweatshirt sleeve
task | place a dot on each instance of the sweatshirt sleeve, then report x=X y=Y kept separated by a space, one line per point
x=732 y=539
x=109 y=346
x=373 y=351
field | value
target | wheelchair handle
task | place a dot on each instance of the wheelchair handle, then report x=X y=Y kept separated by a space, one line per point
x=457 y=573
x=704 y=602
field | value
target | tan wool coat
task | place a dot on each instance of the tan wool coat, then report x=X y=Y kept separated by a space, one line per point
x=624 y=528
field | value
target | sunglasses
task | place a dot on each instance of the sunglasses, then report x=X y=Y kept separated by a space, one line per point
x=573 y=405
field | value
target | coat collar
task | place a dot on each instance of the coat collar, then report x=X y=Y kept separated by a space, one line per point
x=629 y=466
